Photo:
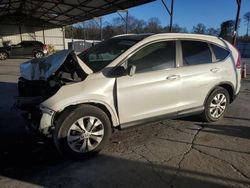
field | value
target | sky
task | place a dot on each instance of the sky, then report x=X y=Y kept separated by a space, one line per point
x=188 y=13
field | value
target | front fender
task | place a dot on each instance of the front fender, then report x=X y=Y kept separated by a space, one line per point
x=88 y=91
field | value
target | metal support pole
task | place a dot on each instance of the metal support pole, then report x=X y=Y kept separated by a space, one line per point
x=236 y=22
x=63 y=32
x=101 y=28
x=20 y=32
x=84 y=34
x=43 y=36
x=124 y=19
x=171 y=16
x=170 y=12
x=127 y=22
x=72 y=38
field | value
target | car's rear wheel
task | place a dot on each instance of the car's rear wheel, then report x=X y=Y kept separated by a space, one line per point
x=38 y=54
x=82 y=132
x=3 y=55
x=216 y=105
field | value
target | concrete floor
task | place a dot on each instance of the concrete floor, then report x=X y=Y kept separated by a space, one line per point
x=171 y=153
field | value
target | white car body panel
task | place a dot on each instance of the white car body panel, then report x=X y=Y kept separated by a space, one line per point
x=151 y=94
x=95 y=89
x=136 y=95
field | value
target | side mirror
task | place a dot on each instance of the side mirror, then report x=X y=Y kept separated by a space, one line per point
x=131 y=70
x=119 y=71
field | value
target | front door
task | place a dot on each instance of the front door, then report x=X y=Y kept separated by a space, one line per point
x=154 y=88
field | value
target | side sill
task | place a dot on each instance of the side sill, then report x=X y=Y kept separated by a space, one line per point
x=184 y=113
x=148 y=120
x=190 y=112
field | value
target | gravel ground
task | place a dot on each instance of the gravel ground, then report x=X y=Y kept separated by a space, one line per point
x=171 y=153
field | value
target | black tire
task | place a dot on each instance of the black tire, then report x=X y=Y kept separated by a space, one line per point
x=38 y=54
x=68 y=119
x=3 y=55
x=207 y=115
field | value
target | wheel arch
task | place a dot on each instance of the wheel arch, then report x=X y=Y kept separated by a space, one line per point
x=103 y=106
x=226 y=85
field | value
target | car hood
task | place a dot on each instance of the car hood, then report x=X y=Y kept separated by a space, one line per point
x=43 y=68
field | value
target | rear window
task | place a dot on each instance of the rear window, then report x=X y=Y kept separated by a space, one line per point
x=26 y=43
x=220 y=53
x=31 y=43
x=195 y=53
x=38 y=43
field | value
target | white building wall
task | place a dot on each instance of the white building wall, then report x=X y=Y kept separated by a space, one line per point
x=51 y=36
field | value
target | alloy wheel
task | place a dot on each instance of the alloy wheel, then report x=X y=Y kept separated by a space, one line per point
x=85 y=134
x=3 y=55
x=218 y=105
x=39 y=55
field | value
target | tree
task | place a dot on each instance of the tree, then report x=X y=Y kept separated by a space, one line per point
x=200 y=28
x=212 y=31
x=135 y=25
x=247 y=20
x=176 y=29
x=227 y=29
x=153 y=25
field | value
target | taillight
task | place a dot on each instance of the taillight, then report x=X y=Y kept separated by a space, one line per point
x=45 y=47
x=238 y=64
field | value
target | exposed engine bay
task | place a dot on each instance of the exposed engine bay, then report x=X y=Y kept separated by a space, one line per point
x=42 y=78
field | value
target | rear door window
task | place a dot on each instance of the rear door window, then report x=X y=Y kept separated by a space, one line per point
x=220 y=53
x=27 y=44
x=195 y=53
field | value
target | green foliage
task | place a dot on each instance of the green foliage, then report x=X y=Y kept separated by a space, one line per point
x=51 y=48
x=227 y=29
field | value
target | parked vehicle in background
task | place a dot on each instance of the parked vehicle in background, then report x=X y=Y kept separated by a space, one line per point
x=24 y=48
x=125 y=81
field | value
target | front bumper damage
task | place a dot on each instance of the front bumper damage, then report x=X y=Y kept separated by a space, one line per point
x=47 y=120
x=40 y=119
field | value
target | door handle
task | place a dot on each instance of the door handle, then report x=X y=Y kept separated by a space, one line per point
x=214 y=70
x=173 y=77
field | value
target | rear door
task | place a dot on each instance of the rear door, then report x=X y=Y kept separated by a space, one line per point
x=198 y=73
x=154 y=88
x=28 y=47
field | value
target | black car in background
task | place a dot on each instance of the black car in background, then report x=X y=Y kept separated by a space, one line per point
x=24 y=48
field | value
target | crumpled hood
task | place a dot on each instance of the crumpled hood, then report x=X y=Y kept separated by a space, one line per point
x=43 y=68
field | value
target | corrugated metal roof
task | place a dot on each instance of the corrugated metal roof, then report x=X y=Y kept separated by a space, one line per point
x=54 y=13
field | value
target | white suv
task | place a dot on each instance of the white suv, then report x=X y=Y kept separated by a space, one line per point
x=125 y=81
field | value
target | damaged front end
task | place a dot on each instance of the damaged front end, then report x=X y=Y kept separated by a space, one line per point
x=42 y=78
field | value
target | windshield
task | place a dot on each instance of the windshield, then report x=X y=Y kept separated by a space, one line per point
x=102 y=54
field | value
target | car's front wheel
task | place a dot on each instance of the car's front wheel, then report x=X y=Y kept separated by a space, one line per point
x=38 y=54
x=216 y=105
x=3 y=55
x=82 y=132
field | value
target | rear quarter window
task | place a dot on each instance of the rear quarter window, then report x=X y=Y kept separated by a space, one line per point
x=220 y=53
